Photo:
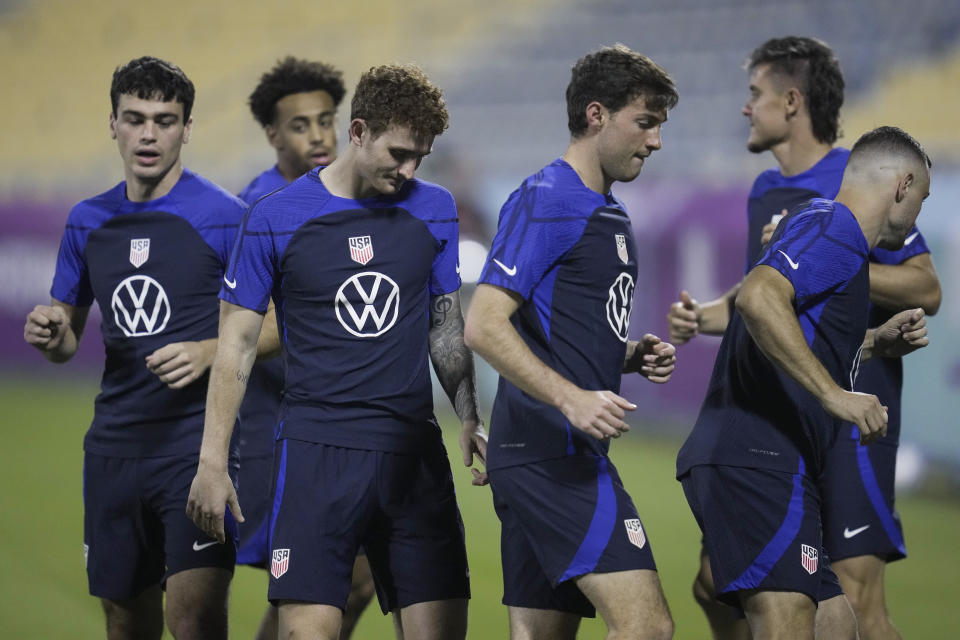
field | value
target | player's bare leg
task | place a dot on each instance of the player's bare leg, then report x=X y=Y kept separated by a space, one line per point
x=197 y=603
x=269 y=624
x=140 y=617
x=835 y=619
x=308 y=620
x=542 y=624
x=862 y=580
x=630 y=602
x=724 y=622
x=362 y=591
x=436 y=620
x=779 y=615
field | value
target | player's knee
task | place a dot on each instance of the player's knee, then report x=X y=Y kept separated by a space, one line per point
x=197 y=621
x=703 y=590
x=656 y=625
x=132 y=619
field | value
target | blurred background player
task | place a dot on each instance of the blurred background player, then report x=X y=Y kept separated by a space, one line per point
x=782 y=388
x=796 y=91
x=151 y=252
x=296 y=104
x=552 y=315
x=362 y=262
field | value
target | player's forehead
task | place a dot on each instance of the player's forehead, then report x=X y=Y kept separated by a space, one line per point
x=404 y=138
x=638 y=108
x=307 y=104
x=132 y=104
x=764 y=77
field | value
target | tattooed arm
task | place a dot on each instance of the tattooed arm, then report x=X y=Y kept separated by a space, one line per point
x=236 y=351
x=453 y=362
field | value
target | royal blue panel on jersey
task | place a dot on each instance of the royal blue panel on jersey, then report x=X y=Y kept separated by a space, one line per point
x=261 y=403
x=773 y=192
x=754 y=414
x=883 y=377
x=155 y=269
x=351 y=280
x=569 y=252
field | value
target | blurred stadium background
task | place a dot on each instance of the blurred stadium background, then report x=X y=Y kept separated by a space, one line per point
x=504 y=67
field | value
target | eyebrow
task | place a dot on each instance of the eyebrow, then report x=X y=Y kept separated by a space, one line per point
x=162 y=114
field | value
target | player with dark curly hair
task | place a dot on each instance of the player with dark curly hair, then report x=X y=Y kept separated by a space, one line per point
x=296 y=104
x=361 y=261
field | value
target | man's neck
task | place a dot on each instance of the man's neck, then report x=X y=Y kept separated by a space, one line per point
x=799 y=153
x=342 y=179
x=582 y=155
x=866 y=207
x=143 y=191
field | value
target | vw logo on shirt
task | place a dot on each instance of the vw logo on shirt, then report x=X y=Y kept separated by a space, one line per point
x=140 y=306
x=618 y=305
x=367 y=304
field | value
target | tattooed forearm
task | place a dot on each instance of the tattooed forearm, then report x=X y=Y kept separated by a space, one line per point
x=451 y=358
x=242 y=377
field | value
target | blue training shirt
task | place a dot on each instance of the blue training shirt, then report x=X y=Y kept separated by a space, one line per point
x=352 y=282
x=261 y=402
x=569 y=253
x=754 y=414
x=154 y=269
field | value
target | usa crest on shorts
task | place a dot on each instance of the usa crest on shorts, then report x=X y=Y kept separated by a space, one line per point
x=139 y=251
x=622 y=248
x=361 y=249
x=808 y=558
x=635 y=532
x=280 y=562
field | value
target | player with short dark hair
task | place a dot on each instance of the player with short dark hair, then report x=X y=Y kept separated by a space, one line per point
x=151 y=252
x=361 y=260
x=552 y=316
x=796 y=90
x=296 y=103
x=782 y=387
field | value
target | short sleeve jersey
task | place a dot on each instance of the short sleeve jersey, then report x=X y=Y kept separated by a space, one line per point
x=154 y=269
x=773 y=192
x=569 y=253
x=352 y=282
x=754 y=414
x=261 y=403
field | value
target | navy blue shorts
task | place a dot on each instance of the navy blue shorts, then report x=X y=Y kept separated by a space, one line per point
x=857 y=485
x=135 y=529
x=561 y=519
x=761 y=529
x=400 y=507
x=255 y=493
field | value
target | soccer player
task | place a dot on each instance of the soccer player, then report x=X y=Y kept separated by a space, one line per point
x=796 y=90
x=782 y=387
x=151 y=251
x=361 y=261
x=295 y=103
x=552 y=315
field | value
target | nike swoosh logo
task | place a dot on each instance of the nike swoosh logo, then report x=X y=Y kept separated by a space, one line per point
x=512 y=271
x=458 y=267
x=793 y=265
x=201 y=547
x=847 y=533
x=911 y=238
x=230 y=283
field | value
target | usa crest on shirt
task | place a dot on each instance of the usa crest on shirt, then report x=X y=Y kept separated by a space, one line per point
x=361 y=249
x=139 y=251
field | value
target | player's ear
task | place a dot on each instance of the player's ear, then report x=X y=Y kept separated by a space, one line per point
x=272 y=134
x=356 y=130
x=904 y=185
x=187 y=128
x=596 y=114
x=792 y=101
x=113 y=125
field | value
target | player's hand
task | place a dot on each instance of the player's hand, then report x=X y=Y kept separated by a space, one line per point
x=45 y=327
x=210 y=491
x=599 y=414
x=862 y=409
x=770 y=227
x=652 y=358
x=180 y=363
x=683 y=319
x=901 y=334
x=473 y=442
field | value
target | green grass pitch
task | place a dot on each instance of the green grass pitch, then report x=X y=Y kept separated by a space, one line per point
x=43 y=585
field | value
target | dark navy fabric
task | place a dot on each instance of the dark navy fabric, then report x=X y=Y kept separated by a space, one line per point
x=773 y=192
x=569 y=253
x=754 y=414
x=136 y=532
x=761 y=530
x=155 y=269
x=351 y=281
x=400 y=506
